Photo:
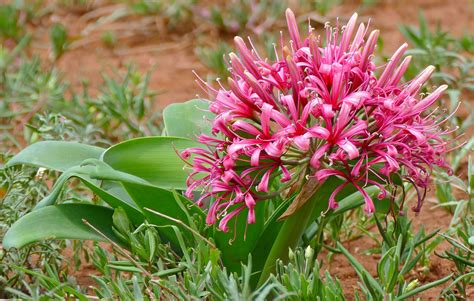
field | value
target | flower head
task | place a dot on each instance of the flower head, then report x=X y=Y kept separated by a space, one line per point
x=318 y=110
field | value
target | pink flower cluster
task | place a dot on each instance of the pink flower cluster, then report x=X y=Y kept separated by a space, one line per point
x=317 y=110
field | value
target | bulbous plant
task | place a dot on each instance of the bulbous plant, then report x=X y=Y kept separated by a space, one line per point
x=317 y=111
x=308 y=136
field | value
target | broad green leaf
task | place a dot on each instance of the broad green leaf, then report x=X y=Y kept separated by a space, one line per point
x=56 y=155
x=154 y=159
x=324 y=193
x=471 y=240
x=115 y=201
x=188 y=119
x=356 y=199
x=117 y=190
x=240 y=241
x=63 y=221
x=164 y=202
x=266 y=240
x=88 y=174
x=100 y=172
x=350 y=197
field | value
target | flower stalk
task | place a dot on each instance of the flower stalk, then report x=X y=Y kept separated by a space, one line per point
x=290 y=234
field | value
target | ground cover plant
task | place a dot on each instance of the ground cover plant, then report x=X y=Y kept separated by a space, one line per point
x=254 y=190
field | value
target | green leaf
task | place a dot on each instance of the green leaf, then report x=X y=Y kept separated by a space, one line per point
x=360 y=270
x=455 y=281
x=471 y=240
x=63 y=221
x=356 y=199
x=269 y=234
x=121 y=221
x=239 y=242
x=164 y=202
x=131 y=269
x=114 y=196
x=322 y=197
x=56 y=155
x=154 y=159
x=52 y=281
x=423 y=288
x=96 y=169
x=115 y=201
x=293 y=228
x=59 y=40
x=188 y=119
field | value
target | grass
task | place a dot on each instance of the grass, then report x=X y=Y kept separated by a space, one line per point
x=37 y=104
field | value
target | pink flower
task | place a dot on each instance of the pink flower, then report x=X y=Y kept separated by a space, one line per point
x=318 y=109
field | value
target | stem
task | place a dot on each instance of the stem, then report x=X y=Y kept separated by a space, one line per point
x=289 y=236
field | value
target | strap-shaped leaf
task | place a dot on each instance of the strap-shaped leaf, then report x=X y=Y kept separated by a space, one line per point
x=56 y=155
x=65 y=221
x=270 y=232
x=188 y=119
x=238 y=243
x=115 y=199
x=167 y=203
x=356 y=199
x=153 y=159
x=87 y=174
